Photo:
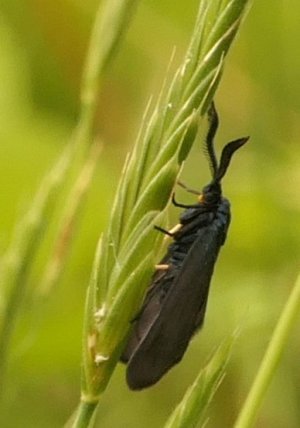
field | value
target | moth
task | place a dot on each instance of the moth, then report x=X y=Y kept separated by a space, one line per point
x=175 y=303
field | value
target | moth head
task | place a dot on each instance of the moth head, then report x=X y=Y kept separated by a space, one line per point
x=211 y=193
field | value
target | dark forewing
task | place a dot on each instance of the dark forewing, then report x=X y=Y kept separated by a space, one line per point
x=161 y=282
x=181 y=312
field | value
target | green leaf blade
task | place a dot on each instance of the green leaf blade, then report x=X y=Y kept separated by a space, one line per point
x=191 y=411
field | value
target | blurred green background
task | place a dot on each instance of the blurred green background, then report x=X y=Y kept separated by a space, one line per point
x=42 y=49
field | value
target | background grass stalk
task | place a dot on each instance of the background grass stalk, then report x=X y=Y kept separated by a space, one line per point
x=74 y=204
x=18 y=259
x=21 y=254
x=270 y=362
x=111 y=21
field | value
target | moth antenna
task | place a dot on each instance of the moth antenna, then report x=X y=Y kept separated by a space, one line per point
x=188 y=189
x=226 y=156
x=209 y=150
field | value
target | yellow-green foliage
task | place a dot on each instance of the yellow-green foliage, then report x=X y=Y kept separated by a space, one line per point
x=43 y=48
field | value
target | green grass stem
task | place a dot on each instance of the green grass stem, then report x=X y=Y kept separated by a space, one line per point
x=271 y=359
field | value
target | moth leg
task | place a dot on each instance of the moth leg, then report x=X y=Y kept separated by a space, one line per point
x=176 y=204
x=164 y=231
x=169 y=232
x=162 y=267
x=188 y=189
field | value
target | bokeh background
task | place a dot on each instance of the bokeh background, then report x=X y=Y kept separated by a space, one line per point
x=42 y=49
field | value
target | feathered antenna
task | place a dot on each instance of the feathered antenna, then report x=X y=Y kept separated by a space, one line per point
x=209 y=150
x=226 y=156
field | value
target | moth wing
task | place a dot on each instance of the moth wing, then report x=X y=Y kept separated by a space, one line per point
x=161 y=281
x=181 y=312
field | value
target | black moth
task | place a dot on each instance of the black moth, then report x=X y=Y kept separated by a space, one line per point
x=175 y=303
